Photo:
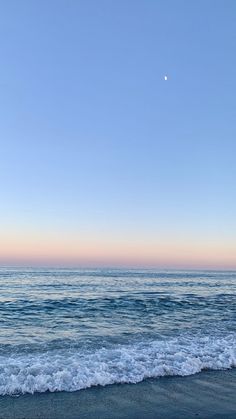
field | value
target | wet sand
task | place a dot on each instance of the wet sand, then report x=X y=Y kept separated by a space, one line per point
x=210 y=394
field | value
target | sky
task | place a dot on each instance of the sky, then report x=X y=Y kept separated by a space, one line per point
x=103 y=162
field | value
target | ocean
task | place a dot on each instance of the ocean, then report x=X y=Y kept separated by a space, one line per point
x=70 y=329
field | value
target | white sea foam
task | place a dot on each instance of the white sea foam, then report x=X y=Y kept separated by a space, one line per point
x=72 y=370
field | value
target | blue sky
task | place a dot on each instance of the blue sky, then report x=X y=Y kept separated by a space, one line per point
x=95 y=143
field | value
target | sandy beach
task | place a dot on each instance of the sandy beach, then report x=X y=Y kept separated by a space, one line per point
x=210 y=394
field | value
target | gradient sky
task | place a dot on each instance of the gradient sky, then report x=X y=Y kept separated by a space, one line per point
x=102 y=161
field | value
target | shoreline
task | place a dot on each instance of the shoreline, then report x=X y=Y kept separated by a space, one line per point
x=208 y=394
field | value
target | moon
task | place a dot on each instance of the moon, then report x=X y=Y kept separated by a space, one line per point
x=165 y=78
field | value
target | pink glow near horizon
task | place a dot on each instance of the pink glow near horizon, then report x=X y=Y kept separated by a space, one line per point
x=71 y=251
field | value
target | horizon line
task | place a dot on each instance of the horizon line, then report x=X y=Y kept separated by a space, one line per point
x=107 y=267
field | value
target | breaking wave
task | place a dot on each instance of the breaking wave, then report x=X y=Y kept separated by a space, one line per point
x=75 y=369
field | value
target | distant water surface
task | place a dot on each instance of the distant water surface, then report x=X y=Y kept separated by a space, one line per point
x=67 y=329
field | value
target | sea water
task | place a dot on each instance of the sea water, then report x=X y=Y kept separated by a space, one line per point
x=66 y=330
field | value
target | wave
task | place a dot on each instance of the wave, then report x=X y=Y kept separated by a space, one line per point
x=75 y=369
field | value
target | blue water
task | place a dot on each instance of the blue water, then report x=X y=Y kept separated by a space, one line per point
x=67 y=329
